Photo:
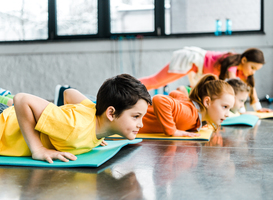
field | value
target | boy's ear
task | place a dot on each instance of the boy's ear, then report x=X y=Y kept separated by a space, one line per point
x=206 y=101
x=110 y=113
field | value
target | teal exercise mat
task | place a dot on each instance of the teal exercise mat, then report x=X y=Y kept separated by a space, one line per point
x=246 y=120
x=94 y=158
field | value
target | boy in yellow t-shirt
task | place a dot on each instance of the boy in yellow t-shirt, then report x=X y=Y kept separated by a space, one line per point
x=35 y=127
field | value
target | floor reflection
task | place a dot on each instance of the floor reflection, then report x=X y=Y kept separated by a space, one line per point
x=175 y=160
x=236 y=163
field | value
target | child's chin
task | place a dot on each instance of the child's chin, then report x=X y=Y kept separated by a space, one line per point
x=131 y=137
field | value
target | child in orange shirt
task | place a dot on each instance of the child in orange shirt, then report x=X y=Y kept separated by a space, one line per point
x=177 y=115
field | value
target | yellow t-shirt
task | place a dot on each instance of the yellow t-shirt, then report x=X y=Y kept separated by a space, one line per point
x=70 y=128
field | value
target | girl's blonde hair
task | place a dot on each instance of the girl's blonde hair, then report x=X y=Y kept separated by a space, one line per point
x=209 y=85
x=238 y=85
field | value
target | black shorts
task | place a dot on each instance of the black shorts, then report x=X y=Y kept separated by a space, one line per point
x=2 y=107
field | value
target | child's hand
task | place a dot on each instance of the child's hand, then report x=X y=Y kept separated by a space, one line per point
x=49 y=155
x=103 y=143
x=185 y=134
x=265 y=110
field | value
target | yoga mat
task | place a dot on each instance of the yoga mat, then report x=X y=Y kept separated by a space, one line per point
x=94 y=158
x=205 y=136
x=245 y=119
x=260 y=114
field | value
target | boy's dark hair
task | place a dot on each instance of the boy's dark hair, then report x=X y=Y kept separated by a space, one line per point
x=122 y=92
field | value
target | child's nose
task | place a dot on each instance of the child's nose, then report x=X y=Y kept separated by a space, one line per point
x=140 y=124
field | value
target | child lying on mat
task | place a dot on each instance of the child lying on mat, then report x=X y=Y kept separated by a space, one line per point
x=177 y=115
x=47 y=132
x=241 y=91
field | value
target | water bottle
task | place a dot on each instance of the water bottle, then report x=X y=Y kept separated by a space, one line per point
x=166 y=90
x=155 y=91
x=228 y=27
x=218 y=28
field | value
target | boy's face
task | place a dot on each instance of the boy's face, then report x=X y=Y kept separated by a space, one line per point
x=240 y=99
x=130 y=121
x=218 y=110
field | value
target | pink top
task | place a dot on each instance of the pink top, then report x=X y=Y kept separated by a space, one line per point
x=210 y=59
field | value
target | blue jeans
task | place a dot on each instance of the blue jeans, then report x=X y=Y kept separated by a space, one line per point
x=2 y=107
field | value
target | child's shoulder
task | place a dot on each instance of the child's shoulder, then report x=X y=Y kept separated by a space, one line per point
x=174 y=98
x=88 y=103
x=179 y=95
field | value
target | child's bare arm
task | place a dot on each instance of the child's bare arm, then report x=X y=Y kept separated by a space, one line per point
x=28 y=110
x=72 y=96
x=179 y=133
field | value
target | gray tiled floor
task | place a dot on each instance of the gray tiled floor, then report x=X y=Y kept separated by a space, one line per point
x=237 y=163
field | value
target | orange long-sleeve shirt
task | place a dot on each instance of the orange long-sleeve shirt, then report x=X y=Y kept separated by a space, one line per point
x=170 y=113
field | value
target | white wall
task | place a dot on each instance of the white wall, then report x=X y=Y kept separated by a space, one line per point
x=37 y=68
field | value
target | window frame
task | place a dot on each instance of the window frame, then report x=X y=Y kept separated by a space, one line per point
x=104 y=25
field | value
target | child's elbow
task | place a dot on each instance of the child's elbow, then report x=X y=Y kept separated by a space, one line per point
x=18 y=98
x=169 y=133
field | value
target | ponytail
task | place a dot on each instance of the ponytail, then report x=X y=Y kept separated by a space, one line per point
x=210 y=86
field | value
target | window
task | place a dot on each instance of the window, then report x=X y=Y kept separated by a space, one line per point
x=23 y=20
x=77 y=17
x=29 y=20
x=132 y=16
x=199 y=16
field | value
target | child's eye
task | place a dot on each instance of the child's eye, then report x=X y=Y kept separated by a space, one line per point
x=136 y=116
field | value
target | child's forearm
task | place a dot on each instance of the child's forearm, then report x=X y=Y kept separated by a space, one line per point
x=179 y=133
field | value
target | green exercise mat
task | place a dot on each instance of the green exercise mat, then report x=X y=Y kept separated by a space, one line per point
x=246 y=120
x=94 y=158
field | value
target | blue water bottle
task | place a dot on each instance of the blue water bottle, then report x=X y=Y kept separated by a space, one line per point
x=155 y=91
x=218 y=27
x=228 y=27
x=166 y=90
